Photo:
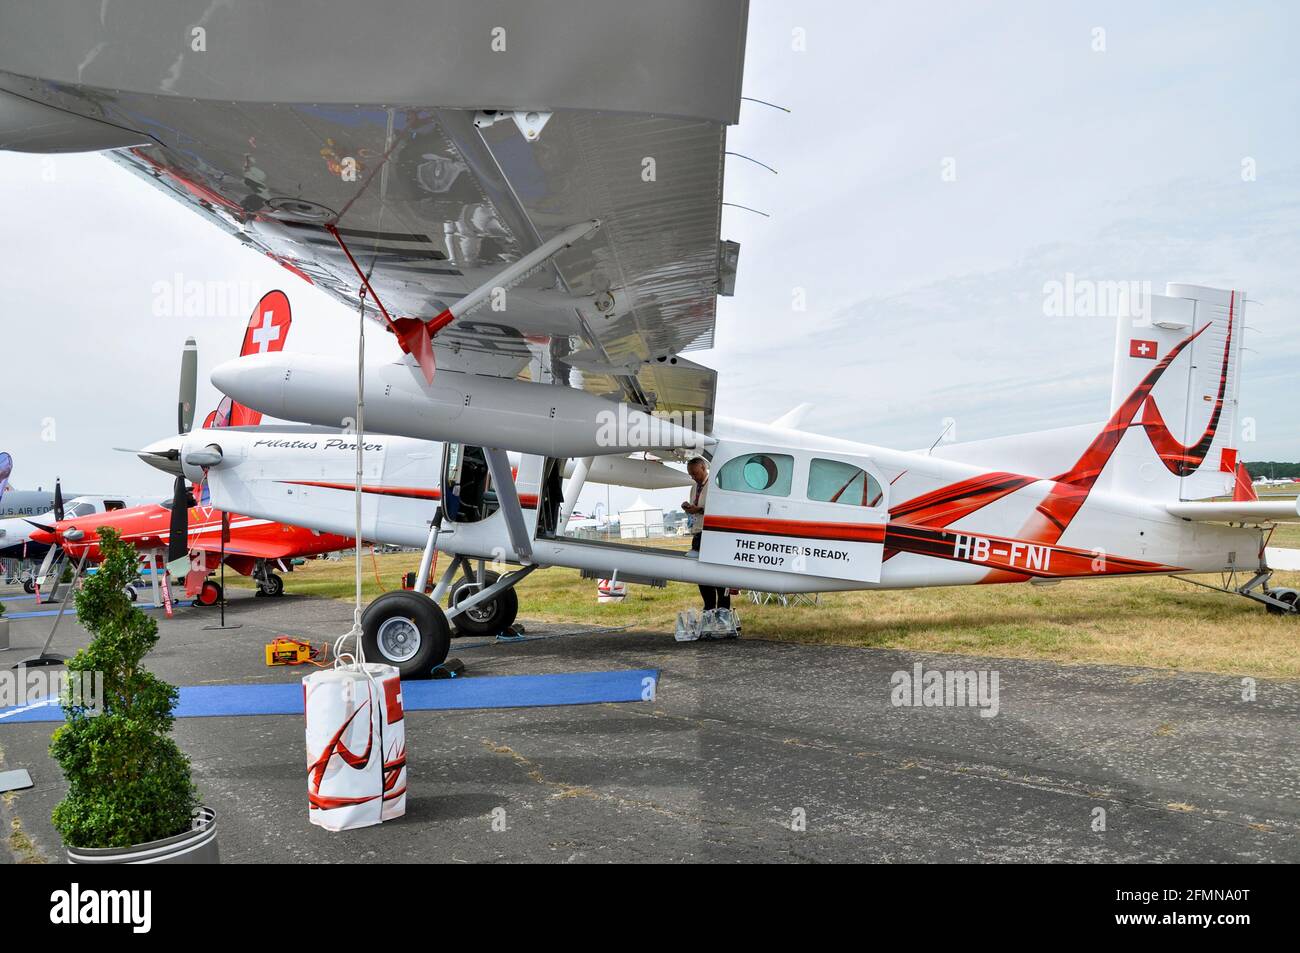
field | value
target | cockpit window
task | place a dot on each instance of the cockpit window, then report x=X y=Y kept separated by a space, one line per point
x=767 y=473
x=834 y=481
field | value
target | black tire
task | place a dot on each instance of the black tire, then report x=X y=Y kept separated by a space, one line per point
x=209 y=595
x=407 y=630
x=1289 y=596
x=489 y=618
x=272 y=585
x=29 y=586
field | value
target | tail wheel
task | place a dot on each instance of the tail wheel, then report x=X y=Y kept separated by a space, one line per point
x=407 y=630
x=272 y=585
x=1290 y=596
x=210 y=594
x=487 y=618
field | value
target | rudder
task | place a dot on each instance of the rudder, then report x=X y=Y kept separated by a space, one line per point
x=1182 y=444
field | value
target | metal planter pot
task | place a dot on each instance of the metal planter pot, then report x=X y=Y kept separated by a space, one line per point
x=196 y=846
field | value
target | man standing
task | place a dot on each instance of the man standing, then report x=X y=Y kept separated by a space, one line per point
x=715 y=597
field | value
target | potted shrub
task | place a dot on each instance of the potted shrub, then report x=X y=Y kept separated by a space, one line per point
x=130 y=797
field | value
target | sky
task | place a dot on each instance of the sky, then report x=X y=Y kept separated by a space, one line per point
x=940 y=164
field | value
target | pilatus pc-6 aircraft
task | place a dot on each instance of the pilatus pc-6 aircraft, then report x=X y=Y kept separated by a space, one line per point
x=528 y=197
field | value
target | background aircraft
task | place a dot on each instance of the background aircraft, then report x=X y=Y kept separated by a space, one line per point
x=181 y=526
x=250 y=547
x=21 y=503
x=20 y=550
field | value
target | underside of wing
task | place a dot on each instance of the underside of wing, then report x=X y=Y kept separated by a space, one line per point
x=426 y=168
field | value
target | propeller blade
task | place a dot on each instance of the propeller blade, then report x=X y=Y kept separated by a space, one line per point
x=178 y=543
x=58 y=500
x=161 y=454
x=41 y=526
x=189 y=387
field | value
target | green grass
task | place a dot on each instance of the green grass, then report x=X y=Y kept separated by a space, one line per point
x=1158 y=621
x=1286 y=535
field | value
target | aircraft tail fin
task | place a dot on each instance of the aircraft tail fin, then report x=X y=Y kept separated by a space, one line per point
x=6 y=468
x=266 y=333
x=1180 y=442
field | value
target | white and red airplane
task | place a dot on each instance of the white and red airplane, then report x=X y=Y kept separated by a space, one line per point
x=546 y=250
x=791 y=511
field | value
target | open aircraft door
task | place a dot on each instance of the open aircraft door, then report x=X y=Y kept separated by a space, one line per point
x=801 y=511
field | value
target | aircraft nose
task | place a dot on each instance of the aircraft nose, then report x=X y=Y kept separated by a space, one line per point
x=164 y=455
x=256 y=381
x=43 y=536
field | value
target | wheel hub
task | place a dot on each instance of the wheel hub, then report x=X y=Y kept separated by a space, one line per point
x=481 y=613
x=398 y=638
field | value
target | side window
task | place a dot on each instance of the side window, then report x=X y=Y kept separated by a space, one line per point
x=768 y=473
x=834 y=481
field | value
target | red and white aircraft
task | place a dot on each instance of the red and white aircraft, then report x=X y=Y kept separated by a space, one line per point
x=252 y=547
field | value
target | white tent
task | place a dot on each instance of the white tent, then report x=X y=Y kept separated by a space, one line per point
x=641 y=520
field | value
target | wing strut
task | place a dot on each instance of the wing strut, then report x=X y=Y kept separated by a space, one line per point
x=508 y=499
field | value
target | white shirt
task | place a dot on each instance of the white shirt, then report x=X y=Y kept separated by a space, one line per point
x=699 y=492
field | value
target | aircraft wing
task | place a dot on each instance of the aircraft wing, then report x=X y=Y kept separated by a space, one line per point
x=1246 y=511
x=258 y=549
x=443 y=141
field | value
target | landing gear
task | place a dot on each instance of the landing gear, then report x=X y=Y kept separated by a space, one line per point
x=407 y=630
x=491 y=617
x=1287 y=596
x=29 y=586
x=270 y=585
x=1276 y=601
x=209 y=595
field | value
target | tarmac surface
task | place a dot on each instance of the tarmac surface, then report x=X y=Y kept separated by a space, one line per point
x=750 y=751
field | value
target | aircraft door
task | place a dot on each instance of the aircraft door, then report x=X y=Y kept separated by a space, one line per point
x=467 y=494
x=794 y=510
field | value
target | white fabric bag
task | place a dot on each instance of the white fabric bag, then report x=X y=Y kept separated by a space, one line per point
x=356 y=746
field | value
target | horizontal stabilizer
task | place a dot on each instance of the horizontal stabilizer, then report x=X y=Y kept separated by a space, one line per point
x=1248 y=511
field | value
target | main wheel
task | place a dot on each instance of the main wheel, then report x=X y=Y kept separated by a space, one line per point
x=408 y=630
x=209 y=595
x=272 y=585
x=487 y=618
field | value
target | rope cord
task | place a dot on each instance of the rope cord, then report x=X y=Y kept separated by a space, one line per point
x=358 y=655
